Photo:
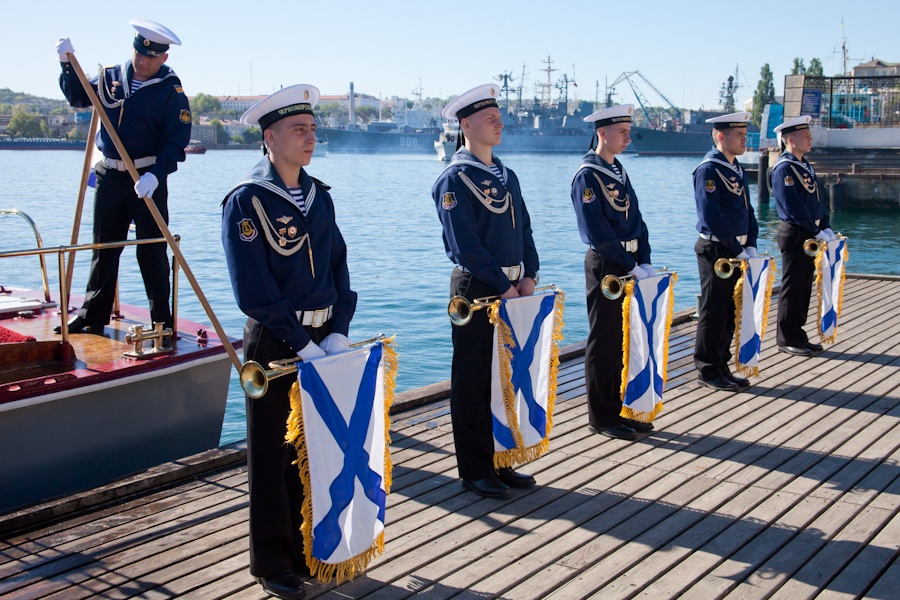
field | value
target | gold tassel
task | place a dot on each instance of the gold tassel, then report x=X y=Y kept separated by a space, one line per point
x=626 y=337
x=348 y=569
x=738 y=321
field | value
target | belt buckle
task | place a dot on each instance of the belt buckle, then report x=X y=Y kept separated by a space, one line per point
x=514 y=272
x=318 y=318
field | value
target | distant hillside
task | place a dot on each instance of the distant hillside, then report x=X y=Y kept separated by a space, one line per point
x=45 y=105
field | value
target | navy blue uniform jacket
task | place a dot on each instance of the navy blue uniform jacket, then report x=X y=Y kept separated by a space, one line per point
x=722 y=194
x=796 y=191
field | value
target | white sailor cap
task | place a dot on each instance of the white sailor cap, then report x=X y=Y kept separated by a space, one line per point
x=738 y=119
x=152 y=39
x=479 y=98
x=293 y=100
x=608 y=116
x=801 y=122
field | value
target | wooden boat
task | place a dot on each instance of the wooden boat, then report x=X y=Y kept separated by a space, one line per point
x=81 y=410
x=195 y=147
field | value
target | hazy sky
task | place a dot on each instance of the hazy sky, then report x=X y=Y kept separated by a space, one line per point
x=687 y=50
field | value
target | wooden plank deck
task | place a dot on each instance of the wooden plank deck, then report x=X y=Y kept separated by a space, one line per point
x=787 y=490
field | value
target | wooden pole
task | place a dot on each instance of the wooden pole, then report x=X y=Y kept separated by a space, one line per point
x=160 y=222
x=82 y=190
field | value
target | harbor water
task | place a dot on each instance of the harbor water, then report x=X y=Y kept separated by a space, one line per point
x=397 y=261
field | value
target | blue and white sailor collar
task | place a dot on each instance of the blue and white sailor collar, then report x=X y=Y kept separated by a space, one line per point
x=265 y=176
x=787 y=157
x=715 y=156
x=114 y=83
x=464 y=157
x=594 y=161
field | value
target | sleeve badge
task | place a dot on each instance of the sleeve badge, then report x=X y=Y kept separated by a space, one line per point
x=179 y=89
x=587 y=196
x=448 y=201
x=185 y=116
x=248 y=231
x=788 y=180
x=710 y=185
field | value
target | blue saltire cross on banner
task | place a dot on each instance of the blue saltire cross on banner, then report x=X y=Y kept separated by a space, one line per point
x=339 y=424
x=830 y=287
x=523 y=382
x=752 y=296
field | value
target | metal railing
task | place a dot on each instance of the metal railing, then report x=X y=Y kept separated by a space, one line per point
x=61 y=251
x=848 y=102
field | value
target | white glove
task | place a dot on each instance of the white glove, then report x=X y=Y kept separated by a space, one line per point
x=64 y=46
x=830 y=233
x=310 y=351
x=146 y=185
x=648 y=269
x=823 y=236
x=743 y=255
x=638 y=272
x=751 y=251
x=335 y=342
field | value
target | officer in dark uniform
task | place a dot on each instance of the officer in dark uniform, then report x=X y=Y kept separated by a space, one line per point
x=487 y=234
x=288 y=266
x=609 y=220
x=728 y=229
x=144 y=99
x=803 y=216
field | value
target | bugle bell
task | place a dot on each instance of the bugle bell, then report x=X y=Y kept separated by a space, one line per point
x=724 y=267
x=613 y=287
x=811 y=247
x=255 y=378
x=460 y=309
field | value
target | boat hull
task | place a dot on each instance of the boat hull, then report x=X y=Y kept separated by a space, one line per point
x=72 y=440
x=651 y=142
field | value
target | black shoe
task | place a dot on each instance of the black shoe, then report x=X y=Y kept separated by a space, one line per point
x=638 y=426
x=619 y=432
x=287 y=585
x=489 y=487
x=720 y=383
x=740 y=381
x=512 y=479
x=78 y=325
x=795 y=350
x=813 y=347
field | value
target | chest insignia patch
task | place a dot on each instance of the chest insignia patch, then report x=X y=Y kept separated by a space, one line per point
x=448 y=201
x=710 y=185
x=587 y=196
x=248 y=231
x=285 y=219
x=292 y=231
x=788 y=180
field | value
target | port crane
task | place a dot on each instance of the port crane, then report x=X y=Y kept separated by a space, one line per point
x=630 y=76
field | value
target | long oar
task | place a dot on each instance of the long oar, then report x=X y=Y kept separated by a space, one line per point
x=82 y=189
x=176 y=252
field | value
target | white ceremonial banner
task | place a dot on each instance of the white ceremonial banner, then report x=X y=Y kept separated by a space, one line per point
x=752 y=296
x=830 y=287
x=339 y=423
x=646 y=321
x=527 y=331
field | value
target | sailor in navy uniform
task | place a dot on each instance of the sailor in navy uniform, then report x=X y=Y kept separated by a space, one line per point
x=610 y=222
x=487 y=234
x=144 y=99
x=728 y=229
x=803 y=216
x=288 y=265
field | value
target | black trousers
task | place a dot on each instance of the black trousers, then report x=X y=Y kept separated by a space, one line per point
x=797 y=275
x=470 y=383
x=276 y=494
x=115 y=207
x=715 y=322
x=603 y=353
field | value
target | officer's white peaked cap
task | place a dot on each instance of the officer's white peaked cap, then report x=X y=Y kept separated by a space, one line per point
x=152 y=38
x=293 y=100
x=468 y=103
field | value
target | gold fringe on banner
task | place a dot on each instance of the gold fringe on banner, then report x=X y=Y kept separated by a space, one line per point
x=627 y=411
x=520 y=454
x=742 y=369
x=820 y=260
x=348 y=569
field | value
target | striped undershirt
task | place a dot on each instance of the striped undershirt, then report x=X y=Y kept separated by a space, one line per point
x=299 y=200
x=136 y=85
x=495 y=169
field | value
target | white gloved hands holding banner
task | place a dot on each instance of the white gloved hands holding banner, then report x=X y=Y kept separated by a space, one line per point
x=823 y=236
x=146 y=185
x=638 y=272
x=64 y=47
x=649 y=270
x=832 y=235
x=743 y=255
x=751 y=251
x=310 y=351
x=335 y=342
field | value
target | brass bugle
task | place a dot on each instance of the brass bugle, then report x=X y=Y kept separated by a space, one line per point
x=460 y=309
x=811 y=247
x=613 y=287
x=724 y=267
x=255 y=378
